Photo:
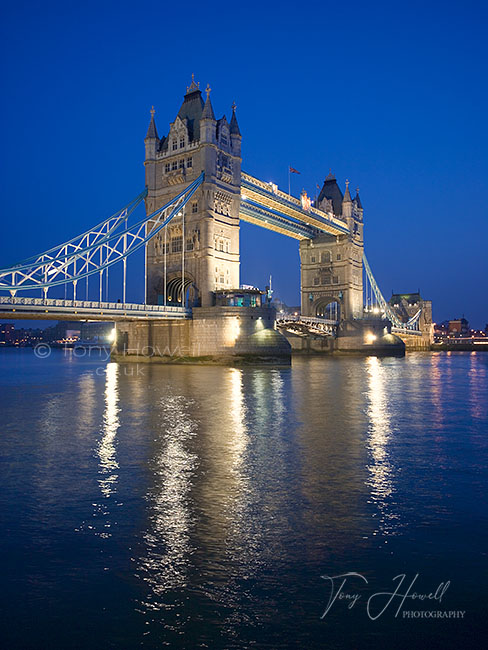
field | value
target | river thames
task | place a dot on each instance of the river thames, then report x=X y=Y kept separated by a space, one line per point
x=210 y=507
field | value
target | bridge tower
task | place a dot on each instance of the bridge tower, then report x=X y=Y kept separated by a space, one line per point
x=331 y=266
x=196 y=142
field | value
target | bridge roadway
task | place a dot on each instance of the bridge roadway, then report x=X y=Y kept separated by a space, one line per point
x=263 y=204
x=51 y=308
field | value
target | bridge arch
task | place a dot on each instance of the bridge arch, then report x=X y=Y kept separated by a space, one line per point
x=175 y=291
x=329 y=307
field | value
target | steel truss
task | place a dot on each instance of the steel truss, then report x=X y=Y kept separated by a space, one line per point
x=108 y=243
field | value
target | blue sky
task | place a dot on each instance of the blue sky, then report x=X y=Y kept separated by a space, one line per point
x=391 y=95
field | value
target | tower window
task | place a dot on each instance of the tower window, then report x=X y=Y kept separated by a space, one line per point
x=316 y=281
x=175 y=145
x=224 y=140
x=189 y=162
x=313 y=259
x=167 y=167
x=176 y=244
x=182 y=164
x=335 y=279
x=189 y=244
x=325 y=257
x=338 y=256
x=194 y=207
x=182 y=143
x=174 y=165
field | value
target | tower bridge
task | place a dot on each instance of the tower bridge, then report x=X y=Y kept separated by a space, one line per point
x=196 y=195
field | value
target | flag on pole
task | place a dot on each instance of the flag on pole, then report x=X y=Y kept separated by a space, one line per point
x=294 y=171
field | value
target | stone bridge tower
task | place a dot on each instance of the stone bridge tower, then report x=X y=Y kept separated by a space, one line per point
x=196 y=142
x=331 y=266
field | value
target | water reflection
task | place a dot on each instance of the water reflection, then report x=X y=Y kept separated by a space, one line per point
x=380 y=467
x=165 y=562
x=477 y=379
x=106 y=448
x=237 y=412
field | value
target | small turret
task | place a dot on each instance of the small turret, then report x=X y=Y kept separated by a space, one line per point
x=208 y=113
x=347 y=202
x=357 y=200
x=234 y=126
x=207 y=121
x=235 y=133
x=151 y=140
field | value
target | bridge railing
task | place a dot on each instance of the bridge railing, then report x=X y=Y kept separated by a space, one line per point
x=90 y=305
x=322 y=324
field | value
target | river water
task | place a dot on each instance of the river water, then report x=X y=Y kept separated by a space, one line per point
x=209 y=507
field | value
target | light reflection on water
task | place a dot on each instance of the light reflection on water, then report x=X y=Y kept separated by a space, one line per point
x=381 y=468
x=111 y=423
x=211 y=500
x=165 y=563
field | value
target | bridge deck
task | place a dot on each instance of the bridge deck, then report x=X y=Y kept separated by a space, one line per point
x=40 y=309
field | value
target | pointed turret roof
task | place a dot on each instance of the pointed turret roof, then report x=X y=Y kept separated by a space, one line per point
x=330 y=190
x=208 y=113
x=357 y=200
x=151 y=130
x=191 y=109
x=234 y=126
x=347 y=195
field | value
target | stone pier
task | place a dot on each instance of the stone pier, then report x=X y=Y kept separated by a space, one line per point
x=220 y=335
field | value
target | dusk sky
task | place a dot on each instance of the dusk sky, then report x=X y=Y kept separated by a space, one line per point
x=392 y=96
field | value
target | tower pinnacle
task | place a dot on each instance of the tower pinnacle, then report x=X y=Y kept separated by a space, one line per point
x=357 y=200
x=193 y=86
x=234 y=126
x=207 y=112
x=151 y=130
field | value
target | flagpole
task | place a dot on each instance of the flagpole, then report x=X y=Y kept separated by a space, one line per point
x=289 y=181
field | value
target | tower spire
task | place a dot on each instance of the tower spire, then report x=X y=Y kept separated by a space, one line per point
x=234 y=126
x=347 y=195
x=151 y=130
x=357 y=200
x=207 y=112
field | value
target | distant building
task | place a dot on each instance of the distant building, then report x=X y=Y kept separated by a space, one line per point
x=63 y=330
x=282 y=308
x=6 y=333
x=96 y=331
x=441 y=330
x=459 y=327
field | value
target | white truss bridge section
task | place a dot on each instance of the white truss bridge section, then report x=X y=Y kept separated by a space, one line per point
x=109 y=243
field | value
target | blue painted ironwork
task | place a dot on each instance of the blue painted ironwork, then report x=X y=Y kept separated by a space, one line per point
x=107 y=244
